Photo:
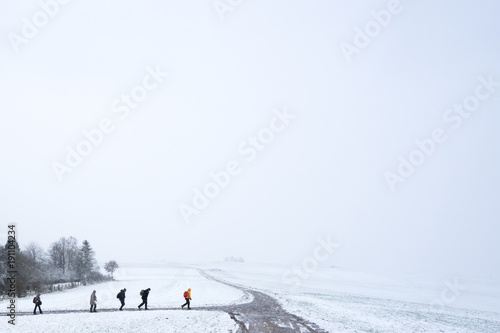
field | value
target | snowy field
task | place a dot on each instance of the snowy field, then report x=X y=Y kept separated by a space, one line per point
x=167 y=284
x=153 y=321
x=348 y=301
x=336 y=300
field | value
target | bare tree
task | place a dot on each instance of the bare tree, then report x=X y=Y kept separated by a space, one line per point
x=111 y=267
x=64 y=255
x=36 y=259
x=34 y=252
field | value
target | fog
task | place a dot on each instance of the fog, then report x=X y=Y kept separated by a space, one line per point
x=188 y=131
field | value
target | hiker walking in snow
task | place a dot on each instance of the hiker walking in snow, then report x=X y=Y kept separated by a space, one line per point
x=144 y=296
x=93 y=300
x=121 y=296
x=38 y=301
x=187 y=297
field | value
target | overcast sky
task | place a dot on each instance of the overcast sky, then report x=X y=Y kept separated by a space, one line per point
x=180 y=89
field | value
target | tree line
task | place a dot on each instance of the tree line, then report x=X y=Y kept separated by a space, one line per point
x=38 y=270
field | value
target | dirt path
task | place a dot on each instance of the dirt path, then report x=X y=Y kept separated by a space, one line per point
x=263 y=315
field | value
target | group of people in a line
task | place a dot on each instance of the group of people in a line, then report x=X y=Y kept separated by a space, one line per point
x=144 y=296
x=121 y=296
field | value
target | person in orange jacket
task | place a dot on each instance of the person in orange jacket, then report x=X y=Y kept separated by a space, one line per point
x=187 y=297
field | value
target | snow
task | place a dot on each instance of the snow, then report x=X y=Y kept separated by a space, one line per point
x=151 y=321
x=337 y=300
x=167 y=284
x=340 y=300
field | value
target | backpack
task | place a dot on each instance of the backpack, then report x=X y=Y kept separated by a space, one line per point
x=118 y=295
x=34 y=299
x=141 y=293
x=185 y=294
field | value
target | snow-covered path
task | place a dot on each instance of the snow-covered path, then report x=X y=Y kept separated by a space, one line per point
x=264 y=314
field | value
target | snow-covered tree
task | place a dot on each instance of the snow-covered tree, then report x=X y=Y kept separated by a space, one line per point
x=86 y=263
x=64 y=256
x=111 y=267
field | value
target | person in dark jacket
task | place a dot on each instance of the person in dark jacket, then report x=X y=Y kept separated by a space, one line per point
x=144 y=296
x=121 y=296
x=38 y=301
x=93 y=301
